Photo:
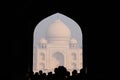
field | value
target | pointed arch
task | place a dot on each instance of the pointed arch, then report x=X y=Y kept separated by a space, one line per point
x=59 y=57
x=40 y=32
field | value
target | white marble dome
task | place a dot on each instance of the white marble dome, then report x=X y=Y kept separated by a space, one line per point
x=58 y=29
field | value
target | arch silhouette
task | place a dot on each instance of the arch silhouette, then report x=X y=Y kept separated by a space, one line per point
x=41 y=28
x=40 y=32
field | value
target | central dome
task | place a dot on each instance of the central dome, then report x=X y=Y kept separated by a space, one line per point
x=58 y=31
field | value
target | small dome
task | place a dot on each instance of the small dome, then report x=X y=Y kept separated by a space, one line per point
x=74 y=41
x=43 y=41
x=58 y=29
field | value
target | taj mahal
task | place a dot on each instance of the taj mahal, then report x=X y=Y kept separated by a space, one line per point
x=57 y=48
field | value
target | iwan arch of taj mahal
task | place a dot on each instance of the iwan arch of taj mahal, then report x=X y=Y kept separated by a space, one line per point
x=57 y=41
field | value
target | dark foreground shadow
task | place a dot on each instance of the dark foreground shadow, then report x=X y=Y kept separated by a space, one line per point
x=61 y=73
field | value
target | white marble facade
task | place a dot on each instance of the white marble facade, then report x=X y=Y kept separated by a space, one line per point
x=57 y=48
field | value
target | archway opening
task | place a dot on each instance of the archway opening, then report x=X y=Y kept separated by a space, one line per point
x=59 y=57
x=54 y=36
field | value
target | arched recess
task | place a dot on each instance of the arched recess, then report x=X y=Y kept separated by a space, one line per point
x=59 y=57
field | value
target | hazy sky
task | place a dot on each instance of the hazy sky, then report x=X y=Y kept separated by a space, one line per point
x=42 y=27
